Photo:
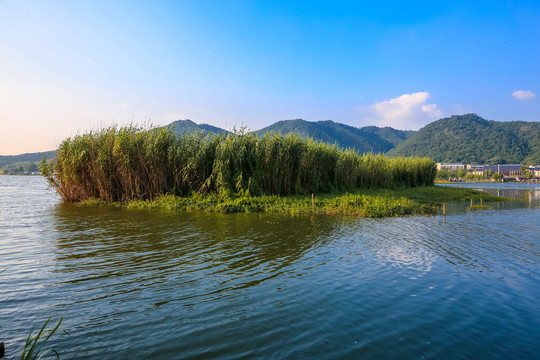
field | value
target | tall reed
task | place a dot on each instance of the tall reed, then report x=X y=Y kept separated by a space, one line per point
x=131 y=163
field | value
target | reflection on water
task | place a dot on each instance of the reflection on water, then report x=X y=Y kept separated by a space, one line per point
x=220 y=253
x=162 y=285
x=529 y=194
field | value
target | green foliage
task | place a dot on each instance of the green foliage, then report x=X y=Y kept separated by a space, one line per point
x=365 y=203
x=363 y=140
x=35 y=343
x=20 y=167
x=181 y=127
x=130 y=163
x=24 y=160
x=473 y=140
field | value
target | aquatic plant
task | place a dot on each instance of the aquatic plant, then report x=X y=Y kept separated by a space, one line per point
x=362 y=202
x=132 y=163
x=34 y=344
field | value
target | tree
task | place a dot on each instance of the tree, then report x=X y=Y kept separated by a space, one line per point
x=33 y=167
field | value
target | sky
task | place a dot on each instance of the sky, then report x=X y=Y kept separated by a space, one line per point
x=67 y=67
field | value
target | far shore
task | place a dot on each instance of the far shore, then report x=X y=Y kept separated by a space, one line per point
x=531 y=181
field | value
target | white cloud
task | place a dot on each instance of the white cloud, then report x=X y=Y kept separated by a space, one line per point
x=408 y=111
x=123 y=105
x=523 y=94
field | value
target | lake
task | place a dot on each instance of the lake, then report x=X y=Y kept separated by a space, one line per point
x=141 y=284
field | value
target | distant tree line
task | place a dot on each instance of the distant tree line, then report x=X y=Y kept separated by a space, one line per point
x=445 y=174
x=20 y=168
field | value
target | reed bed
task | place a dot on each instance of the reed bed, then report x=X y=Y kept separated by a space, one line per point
x=132 y=163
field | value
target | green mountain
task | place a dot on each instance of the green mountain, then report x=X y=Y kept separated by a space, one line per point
x=459 y=138
x=471 y=139
x=366 y=139
x=28 y=162
x=188 y=126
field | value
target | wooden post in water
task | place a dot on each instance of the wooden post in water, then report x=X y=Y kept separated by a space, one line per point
x=480 y=202
x=312 y=203
x=471 y=205
x=444 y=209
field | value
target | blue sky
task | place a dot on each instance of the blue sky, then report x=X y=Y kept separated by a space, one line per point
x=70 y=66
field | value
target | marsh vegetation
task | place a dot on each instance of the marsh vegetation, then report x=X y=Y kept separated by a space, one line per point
x=131 y=163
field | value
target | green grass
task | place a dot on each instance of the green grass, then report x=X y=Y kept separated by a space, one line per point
x=372 y=203
x=480 y=207
x=440 y=194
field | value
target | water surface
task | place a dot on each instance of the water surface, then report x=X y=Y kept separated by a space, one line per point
x=170 y=285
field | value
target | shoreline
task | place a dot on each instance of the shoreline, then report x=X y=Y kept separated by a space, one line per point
x=532 y=181
x=369 y=203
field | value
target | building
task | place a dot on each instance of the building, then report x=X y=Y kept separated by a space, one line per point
x=535 y=170
x=450 y=166
x=476 y=169
x=505 y=169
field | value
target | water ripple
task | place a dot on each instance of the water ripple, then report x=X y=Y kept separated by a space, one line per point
x=161 y=285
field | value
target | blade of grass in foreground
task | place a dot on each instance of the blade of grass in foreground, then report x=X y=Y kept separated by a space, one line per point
x=34 y=344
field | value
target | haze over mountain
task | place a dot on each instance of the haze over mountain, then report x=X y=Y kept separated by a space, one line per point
x=471 y=139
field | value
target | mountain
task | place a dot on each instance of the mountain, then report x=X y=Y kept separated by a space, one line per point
x=366 y=139
x=29 y=161
x=459 y=138
x=188 y=126
x=471 y=139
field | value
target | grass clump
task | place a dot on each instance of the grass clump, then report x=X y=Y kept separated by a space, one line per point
x=373 y=203
x=480 y=207
x=135 y=164
x=356 y=204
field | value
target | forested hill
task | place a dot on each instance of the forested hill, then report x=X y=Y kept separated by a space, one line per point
x=8 y=159
x=188 y=126
x=24 y=162
x=471 y=139
x=366 y=139
x=460 y=138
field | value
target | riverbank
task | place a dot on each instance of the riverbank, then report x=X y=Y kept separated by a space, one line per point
x=372 y=203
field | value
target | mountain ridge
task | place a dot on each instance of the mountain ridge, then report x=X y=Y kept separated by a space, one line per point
x=471 y=139
x=363 y=140
x=366 y=139
x=187 y=126
x=464 y=138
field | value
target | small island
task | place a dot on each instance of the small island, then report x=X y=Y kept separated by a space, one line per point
x=242 y=172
